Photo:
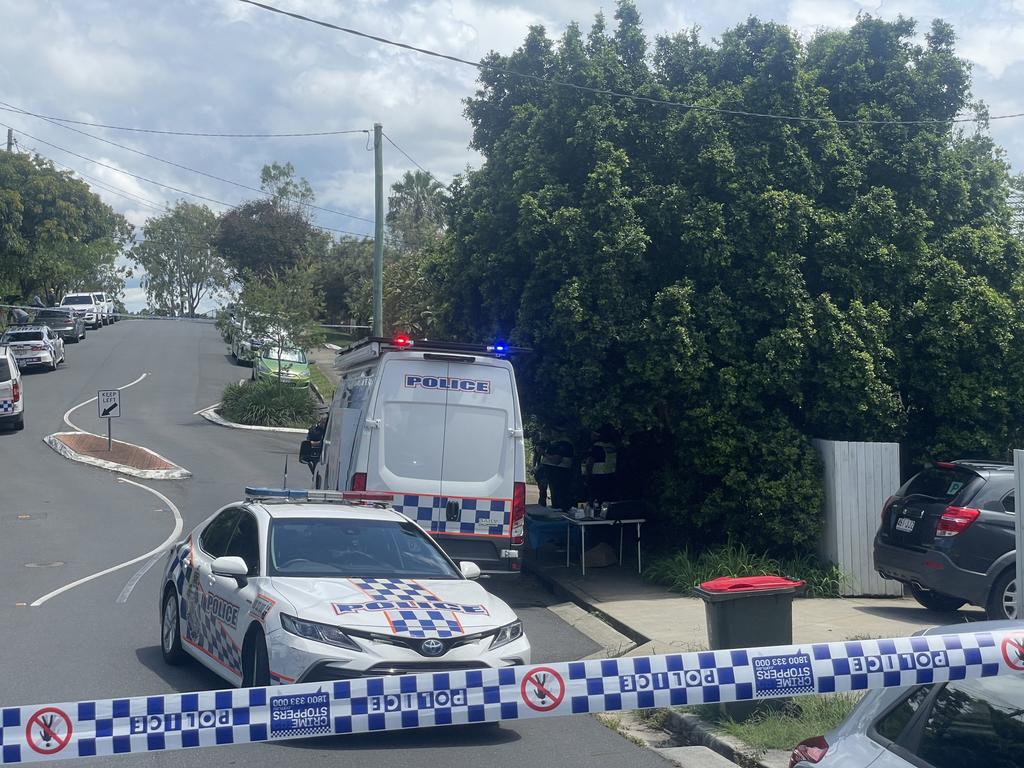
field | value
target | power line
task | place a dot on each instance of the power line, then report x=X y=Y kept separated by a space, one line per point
x=185 y=167
x=158 y=183
x=411 y=160
x=618 y=94
x=300 y=134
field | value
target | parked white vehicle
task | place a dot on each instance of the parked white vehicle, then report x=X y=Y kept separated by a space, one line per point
x=34 y=345
x=106 y=306
x=438 y=426
x=85 y=306
x=12 y=395
x=310 y=586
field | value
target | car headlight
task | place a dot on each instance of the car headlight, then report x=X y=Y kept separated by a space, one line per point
x=322 y=633
x=507 y=634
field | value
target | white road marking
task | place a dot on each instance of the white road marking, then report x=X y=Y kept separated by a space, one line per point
x=179 y=524
x=134 y=580
x=69 y=411
x=206 y=408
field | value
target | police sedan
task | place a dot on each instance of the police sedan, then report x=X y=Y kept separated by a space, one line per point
x=309 y=586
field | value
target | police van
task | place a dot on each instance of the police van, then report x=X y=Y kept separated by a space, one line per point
x=437 y=426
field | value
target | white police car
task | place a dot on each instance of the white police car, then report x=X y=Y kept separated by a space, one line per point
x=308 y=586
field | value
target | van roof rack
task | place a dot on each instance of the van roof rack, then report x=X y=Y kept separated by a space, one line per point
x=376 y=499
x=497 y=349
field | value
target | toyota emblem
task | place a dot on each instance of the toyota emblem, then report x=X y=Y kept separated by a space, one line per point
x=431 y=647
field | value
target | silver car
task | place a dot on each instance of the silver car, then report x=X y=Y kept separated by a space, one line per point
x=959 y=724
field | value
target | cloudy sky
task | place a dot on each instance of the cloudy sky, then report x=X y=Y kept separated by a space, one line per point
x=222 y=66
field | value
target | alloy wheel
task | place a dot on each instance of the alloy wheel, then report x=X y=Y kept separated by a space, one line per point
x=1010 y=600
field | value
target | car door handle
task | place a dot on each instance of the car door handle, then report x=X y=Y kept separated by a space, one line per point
x=211 y=580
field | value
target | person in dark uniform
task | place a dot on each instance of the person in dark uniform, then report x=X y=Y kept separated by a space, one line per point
x=601 y=466
x=539 y=475
x=315 y=437
x=556 y=464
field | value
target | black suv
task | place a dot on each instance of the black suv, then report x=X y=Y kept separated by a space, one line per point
x=948 y=534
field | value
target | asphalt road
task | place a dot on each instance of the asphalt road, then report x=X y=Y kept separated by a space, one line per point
x=61 y=522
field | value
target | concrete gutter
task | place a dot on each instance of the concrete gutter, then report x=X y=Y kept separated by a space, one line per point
x=210 y=414
x=177 y=473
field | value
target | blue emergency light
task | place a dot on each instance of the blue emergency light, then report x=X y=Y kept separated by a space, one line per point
x=498 y=348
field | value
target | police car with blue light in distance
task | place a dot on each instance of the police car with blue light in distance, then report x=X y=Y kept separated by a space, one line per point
x=307 y=586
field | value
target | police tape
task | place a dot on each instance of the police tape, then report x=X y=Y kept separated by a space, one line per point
x=251 y=715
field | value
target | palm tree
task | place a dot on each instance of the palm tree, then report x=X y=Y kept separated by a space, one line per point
x=416 y=208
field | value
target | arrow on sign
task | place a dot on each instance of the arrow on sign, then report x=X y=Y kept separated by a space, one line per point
x=109 y=409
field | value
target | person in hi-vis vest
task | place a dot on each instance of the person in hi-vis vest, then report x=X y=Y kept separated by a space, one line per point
x=556 y=464
x=601 y=466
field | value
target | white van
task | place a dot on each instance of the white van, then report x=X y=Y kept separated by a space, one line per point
x=437 y=425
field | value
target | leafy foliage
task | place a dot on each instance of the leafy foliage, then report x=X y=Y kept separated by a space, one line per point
x=267 y=403
x=723 y=289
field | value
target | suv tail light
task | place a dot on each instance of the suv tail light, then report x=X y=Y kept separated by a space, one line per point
x=518 y=513
x=809 y=751
x=359 y=481
x=956 y=520
x=16 y=390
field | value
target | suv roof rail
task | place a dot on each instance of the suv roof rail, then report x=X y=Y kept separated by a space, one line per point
x=376 y=499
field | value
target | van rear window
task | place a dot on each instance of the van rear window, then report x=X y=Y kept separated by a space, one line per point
x=5 y=370
x=942 y=484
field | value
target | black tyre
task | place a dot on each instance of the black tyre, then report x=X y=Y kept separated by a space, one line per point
x=1001 y=598
x=170 y=629
x=935 y=601
x=255 y=660
x=19 y=423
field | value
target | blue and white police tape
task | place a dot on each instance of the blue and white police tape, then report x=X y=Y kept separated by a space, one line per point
x=212 y=718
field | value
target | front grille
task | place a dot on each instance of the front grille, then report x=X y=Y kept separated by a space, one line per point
x=414 y=643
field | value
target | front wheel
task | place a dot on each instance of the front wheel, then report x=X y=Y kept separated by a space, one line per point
x=935 y=601
x=1002 y=600
x=170 y=630
x=255 y=661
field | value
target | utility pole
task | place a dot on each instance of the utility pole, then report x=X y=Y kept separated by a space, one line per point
x=10 y=139
x=378 y=231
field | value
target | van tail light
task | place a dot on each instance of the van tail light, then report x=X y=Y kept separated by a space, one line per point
x=956 y=520
x=518 y=513
x=16 y=390
x=809 y=751
x=359 y=481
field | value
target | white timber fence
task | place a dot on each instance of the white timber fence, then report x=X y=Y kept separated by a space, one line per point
x=859 y=477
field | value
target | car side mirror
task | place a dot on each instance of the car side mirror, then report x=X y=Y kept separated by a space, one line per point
x=469 y=570
x=232 y=568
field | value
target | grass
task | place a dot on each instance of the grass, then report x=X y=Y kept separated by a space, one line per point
x=339 y=337
x=787 y=726
x=266 y=403
x=684 y=570
x=322 y=382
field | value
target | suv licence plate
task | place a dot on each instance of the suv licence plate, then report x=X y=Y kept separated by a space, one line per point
x=905 y=524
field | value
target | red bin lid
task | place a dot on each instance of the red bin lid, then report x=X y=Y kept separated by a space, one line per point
x=748 y=583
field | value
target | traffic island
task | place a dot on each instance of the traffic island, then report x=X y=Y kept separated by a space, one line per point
x=126 y=458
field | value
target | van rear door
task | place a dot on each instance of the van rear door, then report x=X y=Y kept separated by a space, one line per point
x=407 y=435
x=479 y=456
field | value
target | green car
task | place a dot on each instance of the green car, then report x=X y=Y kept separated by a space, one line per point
x=294 y=367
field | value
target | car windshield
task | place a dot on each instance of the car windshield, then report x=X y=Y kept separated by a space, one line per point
x=77 y=300
x=288 y=354
x=354 y=548
x=16 y=336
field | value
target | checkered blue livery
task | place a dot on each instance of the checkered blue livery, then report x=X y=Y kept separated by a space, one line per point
x=483 y=517
x=6 y=406
x=412 y=622
x=212 y=718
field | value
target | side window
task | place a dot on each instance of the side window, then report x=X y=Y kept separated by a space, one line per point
x=974 y=722
x=1008 y=503
x=214 y=538
x=891 y=725
x=245 y=543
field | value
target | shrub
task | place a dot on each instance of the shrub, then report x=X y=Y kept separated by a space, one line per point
x=266 y=403
x=684 y=570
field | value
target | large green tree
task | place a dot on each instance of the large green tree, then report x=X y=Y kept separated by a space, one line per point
x=724 y=288
x=182 y=267
x=55 y=232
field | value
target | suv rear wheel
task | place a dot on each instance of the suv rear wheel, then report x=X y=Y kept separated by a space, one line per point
x=935 y=601
x=1001 y=599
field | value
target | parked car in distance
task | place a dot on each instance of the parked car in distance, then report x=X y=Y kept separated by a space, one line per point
x=106 y=306
x=948 y=534
x=12 y=395
x=289 y=362
x=959 y=724
x=63 y=321
x=34 y=345
x=85 y=306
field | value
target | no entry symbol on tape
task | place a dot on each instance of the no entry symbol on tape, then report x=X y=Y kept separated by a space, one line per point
x=543 y=689
x=48 y=731
x=1013 y=652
